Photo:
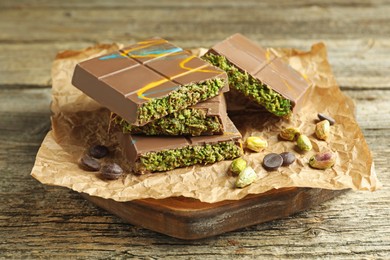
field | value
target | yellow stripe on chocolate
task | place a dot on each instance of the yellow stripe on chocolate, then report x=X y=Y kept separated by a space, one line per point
x=183 y=66
x=291 y=89
x=149 y=55
x=152 y=40
x=146 y=45
x=140 y=93
x=268 y=55
x=305 y=77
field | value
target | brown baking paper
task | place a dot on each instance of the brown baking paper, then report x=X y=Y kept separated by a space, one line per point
x=79 y=122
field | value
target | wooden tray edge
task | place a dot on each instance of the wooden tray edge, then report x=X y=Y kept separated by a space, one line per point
x=195 y=222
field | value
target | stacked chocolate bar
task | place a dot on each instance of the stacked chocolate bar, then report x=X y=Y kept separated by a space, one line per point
x=168 y=104
x=259 y=75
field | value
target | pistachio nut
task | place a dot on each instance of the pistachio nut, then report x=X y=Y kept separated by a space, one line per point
x=323 y=130
x=289 y=134
x=304 y=143
x=237 y=166
x=246 y=177
x=322 y=160
x=256 y=143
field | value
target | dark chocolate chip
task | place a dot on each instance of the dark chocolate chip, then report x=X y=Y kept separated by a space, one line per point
x=288 y=158
x=326 y=117
x=89 y=163
x=272 y=161
x=98 y=151
x=111 y=171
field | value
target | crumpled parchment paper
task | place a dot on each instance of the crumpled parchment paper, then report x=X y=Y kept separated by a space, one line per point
x=78 y=122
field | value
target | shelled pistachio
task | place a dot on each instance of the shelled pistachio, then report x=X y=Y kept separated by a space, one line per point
x=323 y=130
x=289 y=133
x=246 y=177
x=238 y=165
x=256 y=143
x=304 y=143
x=323 y=160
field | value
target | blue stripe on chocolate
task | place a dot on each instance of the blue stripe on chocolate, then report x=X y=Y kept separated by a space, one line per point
x=155 y=52
x=158 y=91
x=111 y=56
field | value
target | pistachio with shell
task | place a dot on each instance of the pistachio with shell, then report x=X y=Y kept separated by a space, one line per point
x=246 y=177
x=289 y=133
x=323 y=160
x=323 y=130
x=256 y=143
x=237 y=166
x=304 y=143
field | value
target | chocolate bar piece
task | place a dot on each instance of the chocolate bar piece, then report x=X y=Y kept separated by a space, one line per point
x=205 y=118
x=149 y=80
x=156 y=154
x=259 y=75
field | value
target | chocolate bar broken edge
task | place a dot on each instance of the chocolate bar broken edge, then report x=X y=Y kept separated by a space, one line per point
x=283 y=99
x=98 y=87
x=205 y=118
x=148 y=154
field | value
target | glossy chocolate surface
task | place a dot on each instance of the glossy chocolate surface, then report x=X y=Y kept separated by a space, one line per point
x=125 y=79
x=263 y=66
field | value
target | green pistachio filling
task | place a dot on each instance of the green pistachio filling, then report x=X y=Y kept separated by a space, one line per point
x=179 y=99
x=187 y=156
x=189 y=121
x=251 y=87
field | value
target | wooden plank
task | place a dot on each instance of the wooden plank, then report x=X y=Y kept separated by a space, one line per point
x=138 y=22
x=372 y=108
x=30 y=66
x=22 y=99
x=37 y=221
x=354 y=62
x=51 y=26
x=177 y=4
x=41 y=221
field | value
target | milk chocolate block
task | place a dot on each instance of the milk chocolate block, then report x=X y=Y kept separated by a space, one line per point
x=156 y=154
x=205 y=118
x=149 y=80
x=259 y=75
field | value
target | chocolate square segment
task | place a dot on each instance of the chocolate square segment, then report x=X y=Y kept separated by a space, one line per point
x=259 y=75
x=149 y=50
x=107 y=64
x=137 y=147
x=200 y=75
x=137 y=82
x=176 y=64
x=244 y=54
x=284 y=79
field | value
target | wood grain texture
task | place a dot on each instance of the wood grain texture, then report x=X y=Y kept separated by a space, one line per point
x=38 y=221
x=41 y=221
x=356 y=32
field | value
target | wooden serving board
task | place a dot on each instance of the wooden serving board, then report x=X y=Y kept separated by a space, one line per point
x=189 y=219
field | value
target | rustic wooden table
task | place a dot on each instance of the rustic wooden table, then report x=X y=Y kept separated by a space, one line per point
x=38 y=221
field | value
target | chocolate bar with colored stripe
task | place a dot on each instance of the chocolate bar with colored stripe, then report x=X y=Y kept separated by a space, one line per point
x=149 y=80
x=205 y=118
x=148 y=154
x=259 y=75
